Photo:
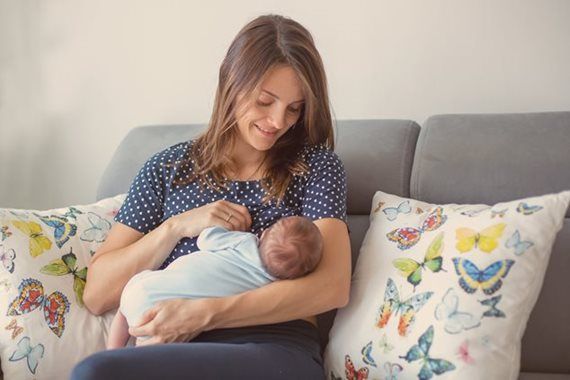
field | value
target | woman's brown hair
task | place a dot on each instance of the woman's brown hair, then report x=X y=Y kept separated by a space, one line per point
x=266 y=42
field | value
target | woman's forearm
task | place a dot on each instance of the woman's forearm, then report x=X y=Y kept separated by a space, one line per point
x=325 y=289
x=109 y=271
x=278 y=302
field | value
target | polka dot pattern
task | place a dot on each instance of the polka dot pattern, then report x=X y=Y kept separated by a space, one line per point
x=152 y=198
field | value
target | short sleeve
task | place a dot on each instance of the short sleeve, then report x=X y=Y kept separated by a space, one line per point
x=325 y=190
x=143 y=207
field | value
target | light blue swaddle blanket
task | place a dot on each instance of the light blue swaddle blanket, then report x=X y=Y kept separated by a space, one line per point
x=227 y=263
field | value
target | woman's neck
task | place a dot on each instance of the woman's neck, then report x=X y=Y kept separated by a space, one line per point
x=248 y=162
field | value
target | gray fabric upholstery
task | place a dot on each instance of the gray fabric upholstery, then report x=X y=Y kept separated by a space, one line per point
x=493 y=158
x=137 y=147
x=459 y=158
x=546 y=343
x=543 y=376
x=489 y=158
x=377 y=155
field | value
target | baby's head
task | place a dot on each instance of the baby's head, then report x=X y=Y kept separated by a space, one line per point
x=291 y=248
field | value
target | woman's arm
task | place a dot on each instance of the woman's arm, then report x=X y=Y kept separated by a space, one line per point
x=127 y=251
x=124 y=253
x=324 y=289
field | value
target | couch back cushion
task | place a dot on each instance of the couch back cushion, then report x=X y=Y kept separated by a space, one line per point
x=490 y=158
x=377 y=155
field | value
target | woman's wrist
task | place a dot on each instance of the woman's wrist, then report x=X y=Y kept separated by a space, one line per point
x=174 y=227
x=216 y=312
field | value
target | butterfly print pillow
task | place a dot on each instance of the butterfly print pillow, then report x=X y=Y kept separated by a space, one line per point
x=436 y=291
x=45 y=328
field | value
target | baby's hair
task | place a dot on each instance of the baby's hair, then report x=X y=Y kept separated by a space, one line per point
x=291 y=248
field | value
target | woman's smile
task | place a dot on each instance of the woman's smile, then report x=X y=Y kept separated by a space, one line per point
x=266 y=132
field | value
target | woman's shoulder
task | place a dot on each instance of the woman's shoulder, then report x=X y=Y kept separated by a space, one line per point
x=319 y=156
x=172 y=155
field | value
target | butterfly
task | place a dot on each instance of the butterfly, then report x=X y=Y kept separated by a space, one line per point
x=98 y=230
x=407 y=237
x=8 y=257
x=384 y=345
x=62 y=229
x=5 y=233
x=412 y=270
x=32 y=354
x=367 y=355
x=392 y=212
x=473 y=213
x=38 y=242
x=499 y=213
x=493 y=311
x=66 y=265
x=515 y=242
x=72 y=213
x=419 y=210
x=525 y=209
x=350 y=371
x=486 y=341
x=16 y=330
x=463 y=353
x=455 y=320
x=379 y=206
x=489 y=279
x=407 y=309
x=420 y=351
x=392 y=370
x=31 y=296
x=486 y=240
x=5 y=285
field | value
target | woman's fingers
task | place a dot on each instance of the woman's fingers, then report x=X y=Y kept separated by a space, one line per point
x=220 y=219
x=147 y=342
x=144 y=327
x=237 y=212
x=144 y=330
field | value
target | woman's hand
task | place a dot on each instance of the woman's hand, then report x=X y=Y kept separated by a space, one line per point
x=174 y=320
x=232 y=216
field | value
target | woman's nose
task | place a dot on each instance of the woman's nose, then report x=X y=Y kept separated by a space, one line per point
x=278 y=118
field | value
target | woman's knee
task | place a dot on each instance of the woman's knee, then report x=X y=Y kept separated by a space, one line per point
x=102 y=365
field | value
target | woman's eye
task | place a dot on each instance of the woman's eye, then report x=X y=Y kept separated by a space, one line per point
x=259 y=102
x=294 y=110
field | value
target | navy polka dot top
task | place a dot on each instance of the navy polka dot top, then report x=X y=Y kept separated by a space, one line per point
x=152 y=198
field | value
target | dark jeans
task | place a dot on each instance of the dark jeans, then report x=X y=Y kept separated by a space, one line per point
x=287 y=350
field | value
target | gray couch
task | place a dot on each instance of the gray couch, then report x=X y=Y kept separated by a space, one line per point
x=475 y=158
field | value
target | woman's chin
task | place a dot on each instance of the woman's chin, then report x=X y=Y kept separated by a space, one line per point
x=262 y=144
x=262 y=147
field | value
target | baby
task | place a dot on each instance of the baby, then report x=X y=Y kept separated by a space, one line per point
x=227 y=263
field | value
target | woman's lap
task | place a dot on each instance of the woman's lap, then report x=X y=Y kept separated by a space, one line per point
x=201 y=361
x=288 y=350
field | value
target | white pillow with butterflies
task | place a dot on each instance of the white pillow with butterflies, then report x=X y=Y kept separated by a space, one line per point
x=444 y=291
x=44 y=327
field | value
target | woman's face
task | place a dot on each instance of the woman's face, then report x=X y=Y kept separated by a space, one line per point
x=273 y=109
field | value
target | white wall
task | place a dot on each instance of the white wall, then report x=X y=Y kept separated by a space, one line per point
x=76 y=75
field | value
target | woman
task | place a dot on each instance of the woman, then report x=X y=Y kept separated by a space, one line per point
x=267 y=153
